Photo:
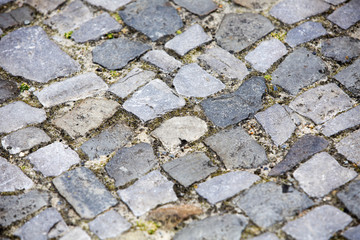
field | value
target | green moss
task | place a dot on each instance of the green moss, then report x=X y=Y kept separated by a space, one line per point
x=110 y=36
x=279 y=35
x=24 y=87
x=149 y=226
x=68 y=34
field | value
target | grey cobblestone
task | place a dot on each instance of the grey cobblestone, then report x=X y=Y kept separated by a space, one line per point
x=342 y=49
x=347 y=15
x=350 y=76
x=198 y=7
x=162 y=60
x=304 y=33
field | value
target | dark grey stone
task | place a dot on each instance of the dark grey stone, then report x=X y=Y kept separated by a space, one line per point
x=229 y=226
x=131 y=163
x=350 y=196
x=8 y=90
x=267 y=203
x=28 y=52
x=237 y=149
x=162 y=60
x=352 y=233
x=110 y=5
x=76 y=233
x=342 y=49
x=154 y=18
x=303 y=148
x=350 y=77
x=84 y=192
x=304 y=33
x=299 y=69
x=347 y=15
x=232 y=108
x=238 y=31
x=199 y=7
x=16 y=17
x=350 y=147
x=116 y=53
x=7 y=21
x=45 y=6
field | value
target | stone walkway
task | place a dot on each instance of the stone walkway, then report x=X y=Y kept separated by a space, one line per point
x=181 y=119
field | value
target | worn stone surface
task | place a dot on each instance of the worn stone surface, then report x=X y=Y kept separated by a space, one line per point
x=7 y=21
x=335 y=2
x=193 y=81
x=154 y=190
x=342 y=49
x=238 y=31
x=162 y=60
x=304 y=33
x=350 y=196
x=86 y=194
x=352 y=233
x=299 y=69
x=350 y=77
x=322 y=174
x=86 y=116
x=190 y=168
x=16 y=17
x=28 y=52
x=320 y=223
x=198 y=7
x=225 y=186
x=347 y=15
x=8 y=90
x=44 y=6
x=237 y=149
x=266 y=236
x=154 y=18
x=110 y=5
x=76 y=233
x=232 y=108
x=153 y=100
x=350 y=147
x=303 y=148
x=131 y=163
x=255 y=4
x=267 y=203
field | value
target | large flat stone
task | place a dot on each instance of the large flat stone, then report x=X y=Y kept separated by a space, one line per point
x=304 y=33
x=198 y=7
x=342 y=49
x=110 y=5
x=8 y=90
x=162 y=60
x=350 y=77
x=350 y=196
x=350 y=147
x=352 y=233
x=84 y=192
x=237 y=149
x=347 y=15
x=28 y=52
x=45 y=6
x=76 y=233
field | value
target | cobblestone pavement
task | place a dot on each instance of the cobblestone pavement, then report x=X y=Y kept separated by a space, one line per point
x=181 y=119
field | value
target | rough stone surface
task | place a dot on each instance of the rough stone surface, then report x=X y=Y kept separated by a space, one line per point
x=153 y=100
x=320 y=223
x=154 y=190
x=335 y=2
x=76 y=233
x=72 y=89
x=7 y=21
x=225 y=186
x=131 y=163
x=350 y=196
x=237 y=149
x=352 y=233
x=304 y=148
x=84 y=192
x=304 y=33
x=350 y=77
x=110 y=5
x=238 y=31
x=277 y=123
x=198 y=7
x=255 y=4
x=154 y=18
x=267 y=203
x=162 y=60
x=342 y=49
x=28 y=52
x=292 y=11
x=232 y=108
x=8 y=90
x=347 y=15
x=88 y=115
x=266 y=54
x=350 y=147
x=299 y=69
x=17 y=115
x=190 y=168
x=322 y=174
x=16 y=17
x=45 y=6
x=193 y=81
x=24 y=139
x=266 y=236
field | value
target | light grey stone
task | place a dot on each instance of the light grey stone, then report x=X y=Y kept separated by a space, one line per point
x=162 y=60
x=76 y=233
x=110 y=5
x=304 y=33
x=193 y=81
x=350 y=147
x=255 y=4
x=350 y=77
x=1 y=32
x=237 y=149
x=352 y=233
x=347 y=15
x=109 y=225
x=53 y=159
x=189 y=169
x=322 y=174
x=72 y=89
x=133 y=80
x=28 y=52
x=58 y=230
x=153 y=100
x=198 y=7
x=148 y=192
x=225 y=186
x=266 y=236
x=320 y=223
x=18 y=114
x=266 y=54
x=193 y=37
x=350 y=196
x=84 y=192
x=24 y=139
x=3 y=2
x=342 y=49
x=45 y=6
x=335 y=2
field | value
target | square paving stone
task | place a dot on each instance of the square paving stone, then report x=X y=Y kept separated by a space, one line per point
x=148 y=192
x=84 y=192
x=347 y=15
x=116 y=53
x=193 y=81
x=76 y=233
x=350 y=147
x=154 y=18
x=255 y=4
x=28 y=52
x=225 y=186
x=190 y=169
x=267 y=203
x=8 y=90
x=130 y=163
x=350 y=196
x=198 y=7
x=110 y=5
x=266 y=236
x=299 y=69
x=238 y=31
x=304 y=33
x=162 y=60
x=341 y=49
x=153 y=100
x=350 y=77
x=237 y=149
x=266 y=54
x=193 y=37
x=352 y=233
x=322 y=174
x=320 y=223
x=45 y=6
x=292 y=11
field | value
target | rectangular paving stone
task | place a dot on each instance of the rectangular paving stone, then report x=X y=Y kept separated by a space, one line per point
x=350 y=147
x=86 y=194
x=110 y=5
x=350 y=77
x=342 y=49
x=76 y=233
x=162 y=60
x=347 y=15
x=350 y=196
x=45 y=6
x=198 y=7
x=304 y=33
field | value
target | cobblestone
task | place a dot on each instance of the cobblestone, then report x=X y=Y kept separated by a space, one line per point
x=44 y=6
x=76 y=233
x=350 y=148
x=352 y=233
x=198 y=7
x=349 y=77
x=162 y=60
x=350 y=196
x=110 y=5
x=342 y=49
x=347 y=15
x=8 y=90
x=305 y=32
